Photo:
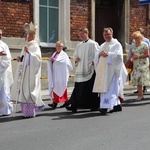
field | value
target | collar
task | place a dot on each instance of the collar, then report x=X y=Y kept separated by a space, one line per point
x=85 y=41
x=58 y=52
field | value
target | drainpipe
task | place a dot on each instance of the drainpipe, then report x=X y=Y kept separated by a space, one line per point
x=148 y=24
x=36 y=18
x=93 y=19
x=127 y=19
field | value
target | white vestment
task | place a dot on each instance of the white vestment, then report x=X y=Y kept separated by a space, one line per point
x=27 y=86
x=58 y=73
x=6 y=80
x=85 y=51
x=111 y=74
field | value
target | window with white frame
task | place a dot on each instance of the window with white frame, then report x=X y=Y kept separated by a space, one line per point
x=49 y=21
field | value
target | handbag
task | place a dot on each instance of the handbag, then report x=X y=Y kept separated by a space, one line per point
x=129 y=64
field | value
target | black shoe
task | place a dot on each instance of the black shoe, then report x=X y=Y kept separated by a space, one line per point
x=53 y=105
x=116 y=108
x=73 y=109
x=65 y=105
x=6 y=115
x=103 y=111
x=136 y=91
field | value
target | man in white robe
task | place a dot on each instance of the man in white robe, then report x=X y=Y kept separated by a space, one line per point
x=27 y=86
x=82 y=96
x=59 y=67
x=111 y=73
x=6 y=78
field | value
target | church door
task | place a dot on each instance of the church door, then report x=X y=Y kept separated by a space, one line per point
x=105 y=16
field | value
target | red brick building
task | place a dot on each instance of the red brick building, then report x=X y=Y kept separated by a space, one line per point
x=61 y=19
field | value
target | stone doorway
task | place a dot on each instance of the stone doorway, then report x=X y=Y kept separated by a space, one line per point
x=109 y=13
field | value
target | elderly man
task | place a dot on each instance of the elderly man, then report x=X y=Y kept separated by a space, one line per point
x=6 y=78
x=110 y=73
x=27 y=87
x=59 y=67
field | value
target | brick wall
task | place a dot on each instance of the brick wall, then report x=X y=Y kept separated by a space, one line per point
x=138 y=17
x=80 y=17
x=13 y=15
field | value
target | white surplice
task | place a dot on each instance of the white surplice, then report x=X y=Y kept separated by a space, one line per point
x=6 y=80
x=58 y=73
x=85 y=51
x=111 y=74
x=27 y=86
